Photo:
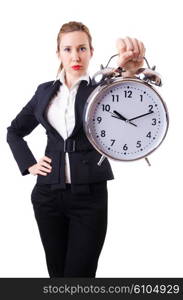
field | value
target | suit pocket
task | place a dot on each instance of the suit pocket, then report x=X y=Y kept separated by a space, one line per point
x=42 y=194
x=54 y=175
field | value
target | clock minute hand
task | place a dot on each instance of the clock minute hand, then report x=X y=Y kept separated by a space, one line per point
x=141 y=116
x=123 y=118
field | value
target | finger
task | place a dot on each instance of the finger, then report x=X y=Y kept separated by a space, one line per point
x=46 y=165
x=44 y=169
x=120 y=45
x=142 y=49
x=42 y=173
x=129 y=44
x=46 y=158
x=126 y=57
x=136 y=47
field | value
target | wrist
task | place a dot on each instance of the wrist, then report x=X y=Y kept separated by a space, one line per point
x=29 y=169
x=129 y=73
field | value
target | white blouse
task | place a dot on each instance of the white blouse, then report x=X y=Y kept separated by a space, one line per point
x=61 y=113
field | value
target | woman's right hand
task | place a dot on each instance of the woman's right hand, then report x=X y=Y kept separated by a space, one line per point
x=42 y=167
x=131 y=55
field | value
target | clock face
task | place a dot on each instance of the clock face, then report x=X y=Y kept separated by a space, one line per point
x=125 y=120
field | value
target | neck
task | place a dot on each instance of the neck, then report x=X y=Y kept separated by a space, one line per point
x=70 y=80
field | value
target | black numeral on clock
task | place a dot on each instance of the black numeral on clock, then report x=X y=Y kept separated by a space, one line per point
x=115 y=97
x=102 y=133
x=149 y=134
x=125 y=147
x=99 y=119
x=150 y=108
x=113 y=141
x=154 y=122
x=106 y=107
x=139 y=144
x=128 y=94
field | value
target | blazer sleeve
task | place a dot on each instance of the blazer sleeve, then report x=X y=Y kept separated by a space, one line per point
x=21 y=126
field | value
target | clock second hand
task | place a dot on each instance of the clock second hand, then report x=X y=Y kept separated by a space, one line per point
x=122 y=118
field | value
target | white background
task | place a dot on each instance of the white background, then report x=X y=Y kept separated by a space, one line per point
x=145 y=223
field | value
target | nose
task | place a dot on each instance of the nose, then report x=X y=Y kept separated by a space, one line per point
x=75 y=55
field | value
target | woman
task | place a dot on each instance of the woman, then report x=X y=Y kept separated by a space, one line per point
x=70 y=196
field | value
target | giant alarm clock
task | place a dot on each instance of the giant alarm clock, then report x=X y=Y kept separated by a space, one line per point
x=126 y=119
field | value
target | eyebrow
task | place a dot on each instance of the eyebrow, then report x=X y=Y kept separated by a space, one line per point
x=77 y=46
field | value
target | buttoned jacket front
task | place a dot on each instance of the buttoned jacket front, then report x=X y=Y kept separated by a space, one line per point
x=82 y=155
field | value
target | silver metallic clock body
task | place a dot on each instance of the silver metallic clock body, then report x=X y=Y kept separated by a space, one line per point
x=125 y=120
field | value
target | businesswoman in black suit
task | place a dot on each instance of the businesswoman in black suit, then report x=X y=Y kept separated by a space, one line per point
x=70 y=196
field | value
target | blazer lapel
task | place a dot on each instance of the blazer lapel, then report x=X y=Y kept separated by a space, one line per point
x=44 y=99
x=83 y=93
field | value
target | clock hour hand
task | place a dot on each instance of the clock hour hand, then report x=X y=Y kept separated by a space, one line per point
x=151 y=112
x=119 y=116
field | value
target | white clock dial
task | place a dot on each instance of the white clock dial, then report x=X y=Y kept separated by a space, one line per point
x=126 y=120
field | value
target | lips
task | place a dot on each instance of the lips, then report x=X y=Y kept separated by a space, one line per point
x=76 y=67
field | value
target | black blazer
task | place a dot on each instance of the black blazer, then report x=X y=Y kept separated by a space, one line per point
x=82 y=155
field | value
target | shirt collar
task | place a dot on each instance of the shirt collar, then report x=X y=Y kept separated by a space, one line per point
x=85 y=77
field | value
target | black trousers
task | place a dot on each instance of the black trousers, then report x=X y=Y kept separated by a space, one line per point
x=72 y=228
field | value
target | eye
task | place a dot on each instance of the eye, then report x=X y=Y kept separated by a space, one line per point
x=83 y=49
x=67 y=49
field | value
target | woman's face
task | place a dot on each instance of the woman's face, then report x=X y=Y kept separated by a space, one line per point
x=75 y=53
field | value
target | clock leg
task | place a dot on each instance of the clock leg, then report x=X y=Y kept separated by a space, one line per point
x=101 y=160
x=148 y=162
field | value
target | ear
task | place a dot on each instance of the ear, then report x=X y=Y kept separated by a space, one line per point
x=92 y=50
x=58 y=55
